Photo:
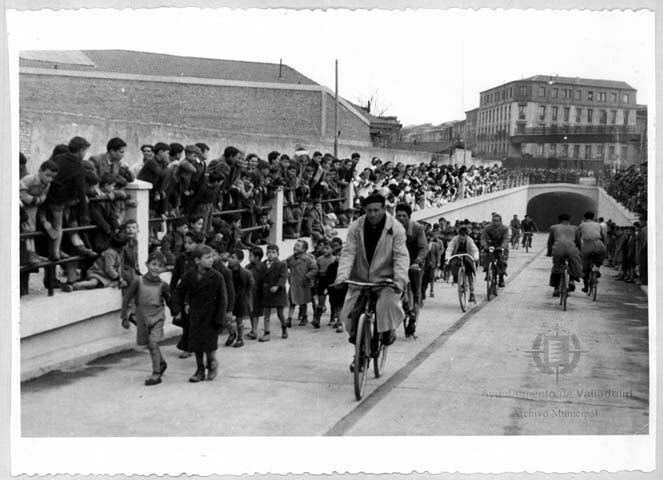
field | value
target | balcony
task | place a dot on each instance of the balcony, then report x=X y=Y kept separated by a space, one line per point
x=578 y=134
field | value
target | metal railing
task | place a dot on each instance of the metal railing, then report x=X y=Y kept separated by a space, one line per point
x=578 y=130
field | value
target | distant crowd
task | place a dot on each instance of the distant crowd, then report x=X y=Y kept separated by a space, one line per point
x=629 y=187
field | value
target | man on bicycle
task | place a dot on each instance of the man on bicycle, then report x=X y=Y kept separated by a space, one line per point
x=592 y=246
x=563 y=242
x=375 y=251
x=528 y=227
x=515 y=231
x=417 y=248
x=463 y=243
x=496 y=235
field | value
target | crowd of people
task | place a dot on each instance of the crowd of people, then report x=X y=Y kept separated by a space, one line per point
x=629 y=187
x=555 y=175
x=430 y=185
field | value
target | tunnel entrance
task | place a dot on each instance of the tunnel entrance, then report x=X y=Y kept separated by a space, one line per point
x=545 y=208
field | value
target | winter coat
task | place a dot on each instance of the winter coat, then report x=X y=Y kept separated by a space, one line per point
x=276 y=275
x=102 y=214
x=206 y=297
x=417 y=246
x=471 y=248
x=302 y=273
x=390 y=262
x=258 y=271
x=231 y=291
x=106 y=268
x=243 y=284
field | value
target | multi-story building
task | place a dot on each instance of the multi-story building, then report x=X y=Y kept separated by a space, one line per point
x=471 y=123
x=552 y=117
x=444 y=135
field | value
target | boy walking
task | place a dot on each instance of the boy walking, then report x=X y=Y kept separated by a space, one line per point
x=205 y=290
x=243 y=282
x=323 y=281
x=150 y=294
x=258 y=270
x=302 y=273
x=273 y=290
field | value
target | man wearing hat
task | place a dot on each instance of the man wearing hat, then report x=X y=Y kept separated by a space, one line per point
x=496 y=235
x=375 y=251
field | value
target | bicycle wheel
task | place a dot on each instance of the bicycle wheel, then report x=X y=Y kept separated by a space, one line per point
x=489 y=282
x=526 y=245
x=380 y=359
x=362 y=354
x=494 y=281
x=564 y=289
x=594 y=285
x=462 y=288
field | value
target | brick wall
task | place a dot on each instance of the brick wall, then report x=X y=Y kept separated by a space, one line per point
x=351 y=127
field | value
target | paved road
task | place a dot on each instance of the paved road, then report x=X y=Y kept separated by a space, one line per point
x=471 y=374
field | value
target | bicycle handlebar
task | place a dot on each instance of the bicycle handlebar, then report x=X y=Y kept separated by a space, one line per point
x=374 y=285
x=460 y=255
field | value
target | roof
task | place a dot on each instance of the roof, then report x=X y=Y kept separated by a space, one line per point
x=588 y=82
x=158 y=64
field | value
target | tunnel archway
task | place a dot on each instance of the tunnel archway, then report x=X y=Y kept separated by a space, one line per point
x=545 y=208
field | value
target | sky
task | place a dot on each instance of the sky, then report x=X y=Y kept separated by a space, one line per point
x=424 y=66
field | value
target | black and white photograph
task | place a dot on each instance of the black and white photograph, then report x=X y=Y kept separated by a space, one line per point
x=332 y=240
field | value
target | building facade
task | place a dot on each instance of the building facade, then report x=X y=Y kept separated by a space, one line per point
x=551 y=117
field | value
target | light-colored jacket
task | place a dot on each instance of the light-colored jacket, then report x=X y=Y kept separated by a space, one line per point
x=472 y=248
x=390 y=262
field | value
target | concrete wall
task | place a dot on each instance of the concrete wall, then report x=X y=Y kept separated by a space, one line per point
x=610 y=209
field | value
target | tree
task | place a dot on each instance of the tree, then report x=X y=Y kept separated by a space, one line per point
x=374 y=103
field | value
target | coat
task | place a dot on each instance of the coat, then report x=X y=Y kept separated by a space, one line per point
x=417 y=246
x=472 y=249
x=207 y=299
x=276 y=275
x=243 y=284
x=230 y=286
x=390 y=262
x=302 y=273
x=258 y=271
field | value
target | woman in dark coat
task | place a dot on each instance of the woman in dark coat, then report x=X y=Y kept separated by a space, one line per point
x=204 y=290
x=273 y=290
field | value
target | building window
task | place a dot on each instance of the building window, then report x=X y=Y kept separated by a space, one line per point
x=539 y=150
x=565 y=151
x=611 y=152
x=567 y=112
x=520 y=128
x=554 y=93
x=613 y=97
x=510 y=92
x=578 y=95
x=578 y=114
x=522 y=90
x=542 y=112
x=588 y=151
x=626 y=117
x=503 y=94
x=554 y=114
x=613 y=117
x=599 y=151
x=553 y=149
x=521 y=111
x=603 y=117
x=576 y=151
x=602 y=96
x=542 y=91
x=590 y=115
x=590 y=95
x=624 y=152
x=625 y=98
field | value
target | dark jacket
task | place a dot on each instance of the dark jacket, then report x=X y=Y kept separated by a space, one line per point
x=102 y=214
x=258 y=271
x=230 y=287
x=243 y=285
x=417 y=246
x=206 y=297
x=69 y=184
x=275 y=275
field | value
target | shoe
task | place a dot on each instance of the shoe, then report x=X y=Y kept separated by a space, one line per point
x=501 y=283
x=132 y=318
x=251 y=335
x=239 y=343
x=473 y=298
x=199 y=376
x=556 y=292
x=162 y=367
x=409 y=330
x=34 y=259
x=598 y=274
x=231 y=339
x=303 y=321
x=67 y=287
x=213 y=369
x=572 y=287
x=390 y=337
x=284 y=332
x=584 y=289
x=185 y=354
x=432 y=294
x=315 y=323
x=265 y=337
x=423 y=295
x=125 y=323
x=331 y=322
x=63 y=255
x=339 y=327
x=288 y=323
x=85 y=252
x=155 y=379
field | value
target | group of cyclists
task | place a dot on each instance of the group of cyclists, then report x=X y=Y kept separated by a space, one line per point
x=382 y=250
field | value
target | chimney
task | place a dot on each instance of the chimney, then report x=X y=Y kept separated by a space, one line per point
x=368 y=106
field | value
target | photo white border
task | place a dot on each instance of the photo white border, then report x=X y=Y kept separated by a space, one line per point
x=321 y=455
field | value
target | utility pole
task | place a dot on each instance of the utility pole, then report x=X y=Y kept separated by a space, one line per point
x=336 y=112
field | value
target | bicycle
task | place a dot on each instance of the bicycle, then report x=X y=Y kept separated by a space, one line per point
x=491 y=273
x=515 y=240
x=463 y=281
x=527 y=241
x=368 y=343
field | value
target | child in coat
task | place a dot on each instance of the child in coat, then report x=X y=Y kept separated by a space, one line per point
x=150 y=295
x=302 y=273
x=204 y=289
x=243 y=283
x=106 y=269
x=323 y=261
x=257 y=269
x=273 y=290
x=336 y=295
x=172 y=243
